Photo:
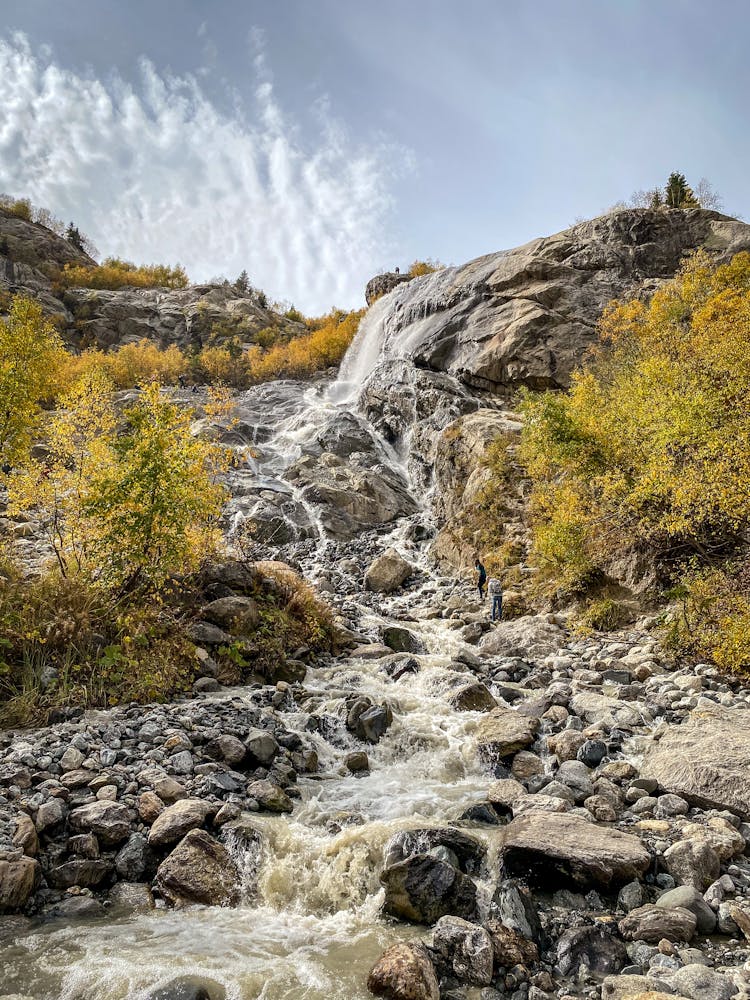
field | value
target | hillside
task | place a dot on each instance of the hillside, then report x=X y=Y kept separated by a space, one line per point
x=265 y=734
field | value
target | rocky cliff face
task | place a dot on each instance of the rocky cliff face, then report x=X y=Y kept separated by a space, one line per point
x=31 y=256
x=527 y=316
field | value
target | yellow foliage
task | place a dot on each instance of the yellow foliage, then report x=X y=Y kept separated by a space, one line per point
x=128 y=366
x=30 y=354
x=420 y=267
x=651 y=445
x=114 y=273
x=303 y=356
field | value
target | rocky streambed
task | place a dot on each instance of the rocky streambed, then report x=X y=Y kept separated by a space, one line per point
x=508 y=809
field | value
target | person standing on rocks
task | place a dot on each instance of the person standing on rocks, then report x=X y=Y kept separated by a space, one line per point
x=482 y=579
x=495 y=591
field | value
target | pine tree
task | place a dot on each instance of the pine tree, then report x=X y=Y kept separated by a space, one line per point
x=242 y=284
x=73 y=235
x=678 y=193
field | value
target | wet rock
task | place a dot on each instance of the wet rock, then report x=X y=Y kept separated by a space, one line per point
x=652 y=923
x=387 y=573
x=270 y=797
x=692 y=862
x=367 y=721
x=86 y=872
x=77 y=908
x=467 y=947
x=262 y=747
x=699 y=983
x=468 y=852
x=423 y=889
x=593 y=948
x=357 y=762
x=514 y=906
x=172 y=824
x=473 y=698
x=483 y=812
x=371 y=651
x=18 y=879
x=206 y=685
x=401 y=640
x=187 y=988
x=689 y=898
x=404 y=972
x=199 y=870
x=705 y=760
x=510 y=946
x=557 y=849
x=109 y=821
x=132 y=897
x=135 y=862
x=502 y=733
x=592 y=752
x=400 y=666
x=384 y=283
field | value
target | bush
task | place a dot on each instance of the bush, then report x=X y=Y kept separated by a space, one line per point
x=303 y=356
x=65 y=643
x=420 y=267
x=128 y=366
x=21 y=208
x=603 y=615
x=714 y=619
x=647 y=449
x=114 y=273
x=30 y=353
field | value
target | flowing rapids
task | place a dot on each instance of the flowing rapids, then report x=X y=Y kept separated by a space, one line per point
x=310 y=923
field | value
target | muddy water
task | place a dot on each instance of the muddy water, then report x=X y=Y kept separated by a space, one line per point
x=310 y=925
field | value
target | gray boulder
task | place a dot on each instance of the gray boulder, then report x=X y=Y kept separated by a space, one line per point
x=174 y=822
x=467 y=947
x=705 y=760
x=199 y=870
x=653 y=923
x=689 y=898
x=423 y=888
x=387 y=573
x=109 y=821
x=559 y=850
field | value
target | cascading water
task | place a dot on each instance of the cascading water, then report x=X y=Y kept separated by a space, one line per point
x=310 y=923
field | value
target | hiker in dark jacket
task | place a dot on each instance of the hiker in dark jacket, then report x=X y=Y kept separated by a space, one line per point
x=482 y=580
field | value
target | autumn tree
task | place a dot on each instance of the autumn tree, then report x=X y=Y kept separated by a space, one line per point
x=30 y=351
x=56 y=489
x=153 y=506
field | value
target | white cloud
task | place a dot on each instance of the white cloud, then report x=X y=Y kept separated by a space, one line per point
x=160 y=173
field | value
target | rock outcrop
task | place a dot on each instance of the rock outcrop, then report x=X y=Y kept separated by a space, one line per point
x=705 y=760
x=528 y=315
x=381 y=284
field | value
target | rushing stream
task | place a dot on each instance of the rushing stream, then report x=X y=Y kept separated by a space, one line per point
x=310 y=924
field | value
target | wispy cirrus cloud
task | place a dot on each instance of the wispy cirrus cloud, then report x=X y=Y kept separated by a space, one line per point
x=159 y=172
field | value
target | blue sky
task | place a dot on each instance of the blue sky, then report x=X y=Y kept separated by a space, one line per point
x=315 y=142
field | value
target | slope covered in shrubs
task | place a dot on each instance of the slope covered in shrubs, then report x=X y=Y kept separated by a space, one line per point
x=647 y=457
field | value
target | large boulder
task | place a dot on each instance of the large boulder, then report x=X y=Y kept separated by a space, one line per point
x=109 y=821
x=174 y=822
x=404 y=972
x=467 y=948
x=559 y=849
x=502 y=733
x=387 y=573
x=18 y=879
x=706 y=760
x=199 y=870
x=594 y=948
x=423 y=888
x=653 y=923
x=381 y=284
